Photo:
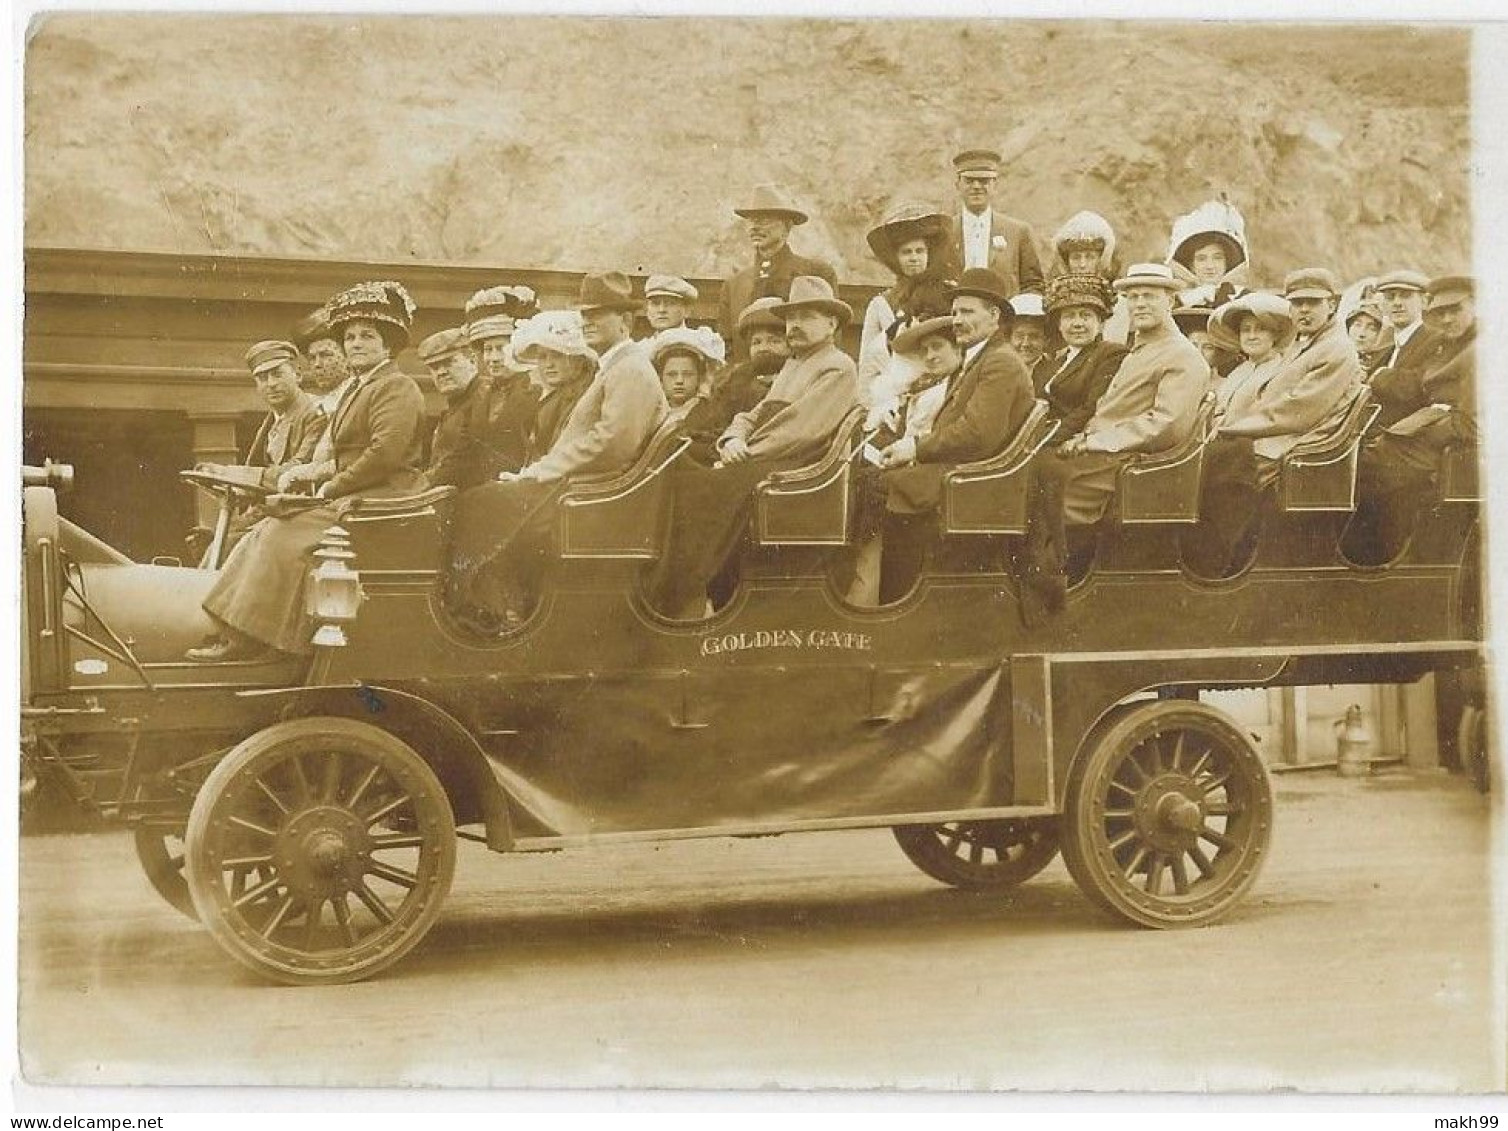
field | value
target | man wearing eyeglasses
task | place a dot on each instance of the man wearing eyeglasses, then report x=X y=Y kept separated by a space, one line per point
x=979 y=236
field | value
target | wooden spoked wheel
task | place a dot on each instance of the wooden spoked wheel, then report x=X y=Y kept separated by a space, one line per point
x=320 y=850
x=981 y=855
x=1168 y=815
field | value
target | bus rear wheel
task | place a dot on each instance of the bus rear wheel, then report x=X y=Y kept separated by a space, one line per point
x=981 y=855
x=1167 y=815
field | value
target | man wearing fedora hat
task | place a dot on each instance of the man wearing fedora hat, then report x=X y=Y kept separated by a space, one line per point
x=982 y=408
x=1420 y=418
x=979 y=236
x=771 y=214
x=1309 y=390
x=1151 y=405
x=808 y=399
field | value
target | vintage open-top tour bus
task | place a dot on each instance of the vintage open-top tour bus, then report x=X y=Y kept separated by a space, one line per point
x=306 y=811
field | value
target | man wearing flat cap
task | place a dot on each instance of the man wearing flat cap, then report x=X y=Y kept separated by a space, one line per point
x=1400 y=463
x=790 y=427
x=1151 y=405
x=492 y=315
x=463 y=449
x=1401 y=295
x=1311 y=389
x=979 y=236
x=667 y=301
x=771 y=214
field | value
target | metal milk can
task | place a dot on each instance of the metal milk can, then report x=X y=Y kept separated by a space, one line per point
x=1353 y=744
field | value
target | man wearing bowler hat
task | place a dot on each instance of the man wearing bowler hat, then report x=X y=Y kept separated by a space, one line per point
x=1400 y=464
x=790 y=427
x=985 y=404
x=771 y=214
x=1151 y=405
x=979 y=236
x=1311 y=389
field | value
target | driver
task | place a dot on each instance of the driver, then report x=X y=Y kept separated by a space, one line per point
x=257 y=602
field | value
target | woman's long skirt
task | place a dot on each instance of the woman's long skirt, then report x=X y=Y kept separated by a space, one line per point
x=260 y=590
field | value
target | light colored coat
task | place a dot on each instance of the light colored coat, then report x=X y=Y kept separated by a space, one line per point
x=612 y=421
x=1314 y=382
x=1152 y=402
x=807 y=401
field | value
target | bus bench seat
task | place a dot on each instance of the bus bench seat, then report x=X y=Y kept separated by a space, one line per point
x=1319 y=472
x=812 y=505
x=1460 y=474
x=1164 y=486
x=623 y=515
x=990 y=496
x=404 y=532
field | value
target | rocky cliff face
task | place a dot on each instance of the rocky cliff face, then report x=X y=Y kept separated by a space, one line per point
x=584 y=144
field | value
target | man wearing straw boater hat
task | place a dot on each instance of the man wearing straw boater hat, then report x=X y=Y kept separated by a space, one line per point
x=1400 y=465
x=979 y=236
x=492 y=315
x=789 y=427
x=771 y=214
x=1309 y=391
x=1151 y=405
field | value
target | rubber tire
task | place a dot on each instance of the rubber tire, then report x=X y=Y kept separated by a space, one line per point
x=1101 y=752
x=205 y=879
x=921 y=846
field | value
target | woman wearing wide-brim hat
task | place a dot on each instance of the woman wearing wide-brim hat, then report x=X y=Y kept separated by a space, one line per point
x=376 y=438
x=1262 y=326
x=1073 y=379
x=910 y=241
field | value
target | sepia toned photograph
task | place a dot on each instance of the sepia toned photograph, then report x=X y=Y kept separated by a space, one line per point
x=493 y=484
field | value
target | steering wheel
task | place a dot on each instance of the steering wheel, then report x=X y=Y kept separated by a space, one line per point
x=230 y=485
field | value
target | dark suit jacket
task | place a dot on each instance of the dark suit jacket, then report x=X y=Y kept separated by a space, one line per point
x=1398 y=387
x=1448 y=377
x=480 y=433
x=1016 y=262
x=753 y=282
x=377 y=433
x=986 y=404
x=1071 y=392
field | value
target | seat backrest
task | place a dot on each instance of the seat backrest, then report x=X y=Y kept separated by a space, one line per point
x=841 y=448
x=1032 y=431
x=1340 y=430
x=659 y=445
x=623 y=515
x=1164 y=486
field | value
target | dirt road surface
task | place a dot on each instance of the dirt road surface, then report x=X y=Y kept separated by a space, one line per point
x=1362 y=960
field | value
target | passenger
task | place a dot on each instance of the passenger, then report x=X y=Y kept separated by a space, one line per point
x=1310 y=389
x=982 y=394
x=686 y=360
x=551 y=347
x=1208 y=253
x=1263 y=324
x=667 y=302
x=771 y=214
x=909 y=241
x=1218 y=348
x=1396 y=382
x=741 y=386
x=1371 y=334
x=462 y=447
x=500 y=531
x=1399 y=467
x=257 y=601
x=979 y=236
x=325 y=366
x=292 y=425
x=791 y=426
x=492 y=317
x=1085 y=245
x=1029 y=337
x=1152 y=404
x=1075 y=378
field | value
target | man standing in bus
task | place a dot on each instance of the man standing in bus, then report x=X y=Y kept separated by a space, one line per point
x=1151 y=405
